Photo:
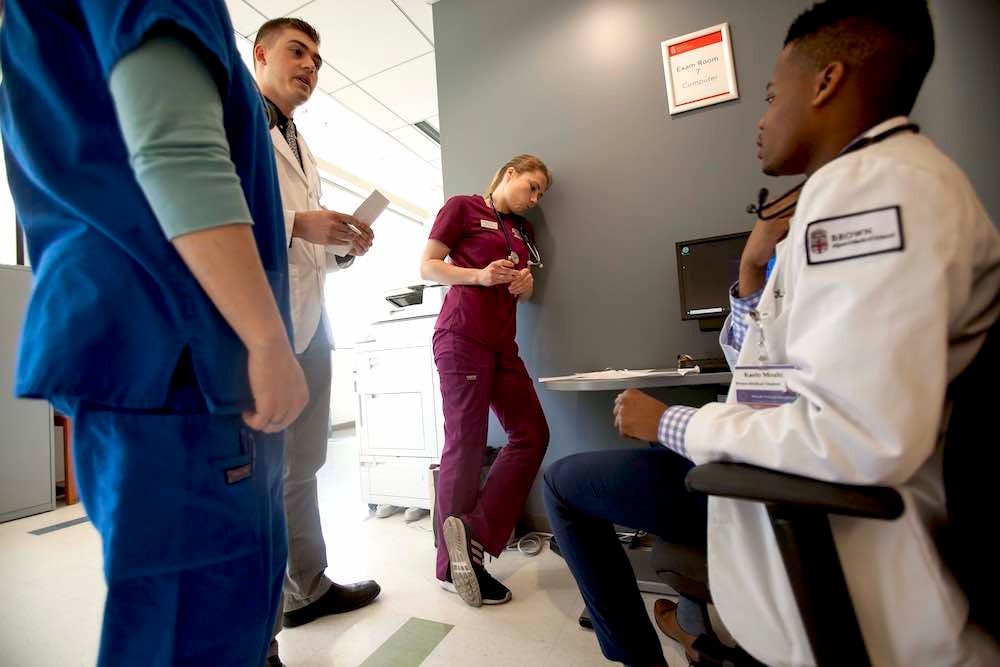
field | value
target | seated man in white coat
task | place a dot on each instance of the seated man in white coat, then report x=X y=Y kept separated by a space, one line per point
x=287 y=64
x=871 y=330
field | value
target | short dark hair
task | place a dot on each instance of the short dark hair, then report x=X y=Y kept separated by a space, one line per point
x=889 y=42
x=267 y=32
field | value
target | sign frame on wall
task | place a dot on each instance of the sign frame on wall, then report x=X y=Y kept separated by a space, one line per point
x=699 y=69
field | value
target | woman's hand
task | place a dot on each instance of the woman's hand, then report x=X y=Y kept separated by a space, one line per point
x=497 y=273
x=524 y=282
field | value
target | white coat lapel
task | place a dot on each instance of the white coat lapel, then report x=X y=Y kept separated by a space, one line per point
x=281 y=146
x=309 y=164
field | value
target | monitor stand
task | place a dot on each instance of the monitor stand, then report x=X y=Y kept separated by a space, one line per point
x=711 y=323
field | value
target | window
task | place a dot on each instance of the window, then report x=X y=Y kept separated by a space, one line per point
x=356 y=297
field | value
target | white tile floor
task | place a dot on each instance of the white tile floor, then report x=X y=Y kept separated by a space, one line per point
x=50 y=608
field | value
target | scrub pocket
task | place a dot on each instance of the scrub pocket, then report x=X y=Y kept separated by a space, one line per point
x=466 y=369
x=171 y=492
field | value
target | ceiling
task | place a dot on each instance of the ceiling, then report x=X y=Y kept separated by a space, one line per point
x=378 y=63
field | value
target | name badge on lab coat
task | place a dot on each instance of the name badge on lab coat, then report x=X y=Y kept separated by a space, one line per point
x=763 y=386
x=489 y=224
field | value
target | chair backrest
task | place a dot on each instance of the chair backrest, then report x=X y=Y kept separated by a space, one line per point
x=971 y=466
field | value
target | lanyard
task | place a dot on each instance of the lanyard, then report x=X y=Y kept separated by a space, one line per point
x=757 y=318
x=762 y=206
x=534 y=259
x=758 y=323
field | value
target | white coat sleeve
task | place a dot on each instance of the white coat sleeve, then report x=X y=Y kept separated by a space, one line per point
x=335 y=262
x=869 y=336
x=731 y=353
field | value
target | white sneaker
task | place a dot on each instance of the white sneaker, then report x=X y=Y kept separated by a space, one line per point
x=414 y=514
x=472 y=582
x=383 y=511
x=497 y=594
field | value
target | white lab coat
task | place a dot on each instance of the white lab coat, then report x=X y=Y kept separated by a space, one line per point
x=876 y=340
x=308 y=263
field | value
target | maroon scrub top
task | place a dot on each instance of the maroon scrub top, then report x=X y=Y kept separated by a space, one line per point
x=465 y=224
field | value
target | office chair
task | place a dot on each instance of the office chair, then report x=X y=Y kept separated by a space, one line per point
x=800 y=507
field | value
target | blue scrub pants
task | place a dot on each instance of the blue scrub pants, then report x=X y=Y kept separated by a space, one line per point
x=189 y=508
x=585 y=496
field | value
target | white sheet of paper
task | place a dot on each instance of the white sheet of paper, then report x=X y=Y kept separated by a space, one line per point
x=611 y=374
x=624 y=374
x=367 y=213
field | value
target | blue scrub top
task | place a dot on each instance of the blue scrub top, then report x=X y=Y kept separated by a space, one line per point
x=113 y=306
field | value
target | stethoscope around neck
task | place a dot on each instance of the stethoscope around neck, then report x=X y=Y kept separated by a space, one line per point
x=534 y=259
x=762 y=207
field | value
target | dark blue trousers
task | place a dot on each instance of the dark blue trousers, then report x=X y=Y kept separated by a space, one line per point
x=189 y=508
x=585 y=496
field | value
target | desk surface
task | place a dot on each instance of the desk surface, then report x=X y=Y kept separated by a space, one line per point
x=619 y=384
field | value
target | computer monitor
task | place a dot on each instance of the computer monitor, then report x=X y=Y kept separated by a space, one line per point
x=706 y=268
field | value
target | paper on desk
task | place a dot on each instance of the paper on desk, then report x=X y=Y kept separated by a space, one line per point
x=667 y=372
x=369 y=210
x=624 y=374
x=612 y=374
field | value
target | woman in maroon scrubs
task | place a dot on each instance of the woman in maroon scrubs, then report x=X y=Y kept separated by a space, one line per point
x=491 y=248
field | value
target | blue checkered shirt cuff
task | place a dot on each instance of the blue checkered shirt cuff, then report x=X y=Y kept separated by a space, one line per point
x=673 y=427
x=741 y=307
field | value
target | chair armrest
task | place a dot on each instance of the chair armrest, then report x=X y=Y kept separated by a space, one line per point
x=746 y=482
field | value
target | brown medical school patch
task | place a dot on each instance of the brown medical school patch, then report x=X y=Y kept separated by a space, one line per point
x=854 y=235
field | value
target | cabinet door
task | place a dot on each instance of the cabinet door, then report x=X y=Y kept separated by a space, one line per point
x=396 y=481
x=395 y=423
x=26 y=430
x=396 y=403
x=406 y=369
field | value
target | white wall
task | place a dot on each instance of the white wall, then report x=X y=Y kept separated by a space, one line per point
x=342 y=396
x=8 y=235
x=355 y=296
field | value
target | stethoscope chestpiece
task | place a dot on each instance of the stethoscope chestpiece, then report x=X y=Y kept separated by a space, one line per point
x=534 y=259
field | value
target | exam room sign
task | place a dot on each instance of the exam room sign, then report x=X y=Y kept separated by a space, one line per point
x=698 y=68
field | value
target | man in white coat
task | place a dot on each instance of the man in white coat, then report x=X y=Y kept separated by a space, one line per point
x=885 y=284
x=286 y=65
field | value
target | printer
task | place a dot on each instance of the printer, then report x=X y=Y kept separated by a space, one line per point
x=415 y=300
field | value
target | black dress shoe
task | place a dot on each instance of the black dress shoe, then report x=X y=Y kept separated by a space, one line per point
x=337 y=600
x=274 y=661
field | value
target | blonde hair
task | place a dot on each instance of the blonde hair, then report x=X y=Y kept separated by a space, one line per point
x=521 y=164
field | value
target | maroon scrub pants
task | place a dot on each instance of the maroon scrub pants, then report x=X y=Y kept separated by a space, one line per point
x=474 y=378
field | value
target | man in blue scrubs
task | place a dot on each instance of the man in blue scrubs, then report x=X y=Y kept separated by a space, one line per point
x=142 y=172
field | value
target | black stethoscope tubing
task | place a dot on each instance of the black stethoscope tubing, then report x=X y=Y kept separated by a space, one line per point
x=534 y=259
x=760 y=208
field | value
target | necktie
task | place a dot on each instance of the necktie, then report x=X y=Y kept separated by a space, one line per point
x=293 y=142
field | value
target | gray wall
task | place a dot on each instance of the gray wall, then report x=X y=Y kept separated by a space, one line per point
x=958 y=106
x=580 y=83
